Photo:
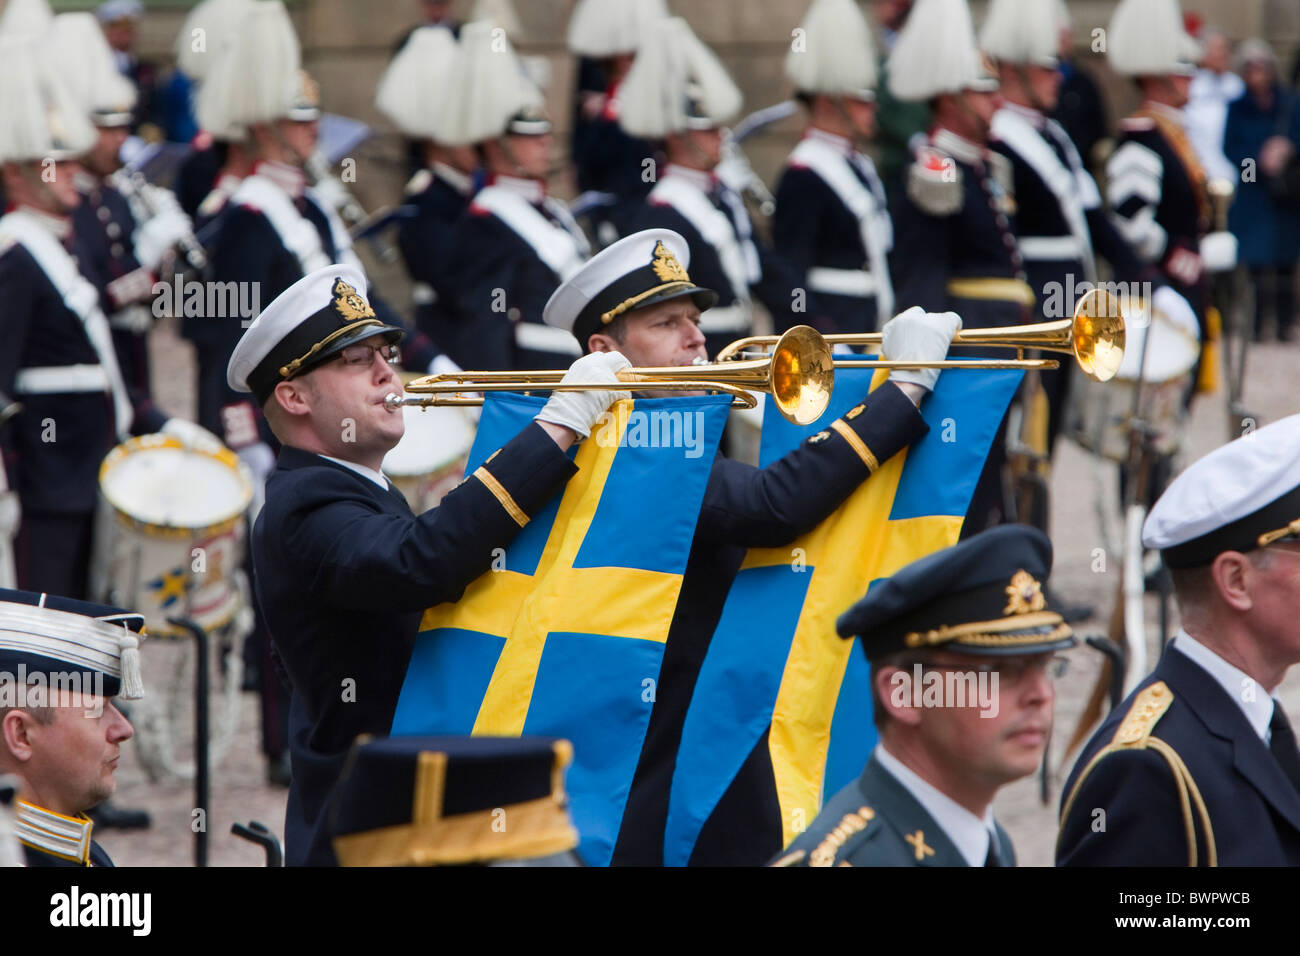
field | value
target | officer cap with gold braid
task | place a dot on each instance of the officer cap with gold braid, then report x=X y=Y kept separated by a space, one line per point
x=428 y=801
x=983 y=596
x=308 y=323
x=639 y=270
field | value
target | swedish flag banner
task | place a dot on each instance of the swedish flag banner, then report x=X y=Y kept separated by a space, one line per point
x=564 y=637
x=775 y=663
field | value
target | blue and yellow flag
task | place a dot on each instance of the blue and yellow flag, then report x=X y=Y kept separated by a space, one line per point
x=775 y=663
x=564 y=637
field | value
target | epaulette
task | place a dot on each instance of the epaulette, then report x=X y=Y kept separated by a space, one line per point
x=934 y=182
x=1137 y=124
x=419 y=182
x=1135 y=733
x=827 y=852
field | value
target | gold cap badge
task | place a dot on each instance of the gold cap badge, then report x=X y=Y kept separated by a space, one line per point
x=1024 y=594
x=350 y=304
x=666 y=266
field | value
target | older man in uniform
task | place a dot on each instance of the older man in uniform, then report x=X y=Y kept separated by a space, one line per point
x=343 y=569
x=63 y=737
x=1199 y=765
x=832 y=221
x=638 y=297
x=963 y=649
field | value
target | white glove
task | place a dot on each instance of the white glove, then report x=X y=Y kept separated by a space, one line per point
x=920 y=335
x=332 y=192
x=441 y=365
x=192 y=436
x=159 y=235
x=1177 y=310
x=580 y=410
x=1219 y=252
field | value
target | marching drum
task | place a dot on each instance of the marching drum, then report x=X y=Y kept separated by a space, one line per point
x=430 y=459
x=1100 y=412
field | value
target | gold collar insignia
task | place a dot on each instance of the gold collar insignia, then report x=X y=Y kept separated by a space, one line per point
x=1024 y=594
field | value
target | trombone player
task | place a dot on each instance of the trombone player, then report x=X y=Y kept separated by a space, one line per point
x=637 y=298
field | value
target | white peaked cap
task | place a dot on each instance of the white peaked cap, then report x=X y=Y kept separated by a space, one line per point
x=414 y=90
x=75 y=42
x=487 y=87
x=601 y=28
x=935 y=53
x=28 y=18
x=837 y=54
x=254 y=78
x=41 y=119
x=674 y=84
x=207 y=28
x=1022 y=31
x=1147 y=38
x=499 y=13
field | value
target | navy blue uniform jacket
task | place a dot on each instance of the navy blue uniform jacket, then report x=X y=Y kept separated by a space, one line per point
x=1252 y=812
x=344 y=571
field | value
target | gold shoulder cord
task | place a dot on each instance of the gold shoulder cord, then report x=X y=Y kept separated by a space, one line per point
x=1135 y=734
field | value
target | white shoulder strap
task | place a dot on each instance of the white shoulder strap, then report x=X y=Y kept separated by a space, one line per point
x=80 y=297
x=343 y=251
x=295 y=231
x=553 y=245
x=713 y=224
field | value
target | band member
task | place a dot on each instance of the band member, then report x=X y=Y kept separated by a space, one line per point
x=954 y=220
x=677 y=93
x=610 y=164
x=1199 y=766
x=413 y=95
x=925 y=797
x=417 y=823
x=515 y=244
x=63 y=736
x=59 y=362
x=121 y=21
x=1156 y=183
x=637 y=297
x=1061 y=226
x=337 y=552
x=832 y=221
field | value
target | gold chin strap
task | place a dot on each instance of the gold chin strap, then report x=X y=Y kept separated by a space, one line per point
x=1268 y=537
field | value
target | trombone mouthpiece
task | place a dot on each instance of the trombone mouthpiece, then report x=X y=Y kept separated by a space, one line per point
x=392 y=401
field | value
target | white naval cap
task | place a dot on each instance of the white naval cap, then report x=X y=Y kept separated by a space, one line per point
x=1146 y=37
x=1241 y=496
x=935 y=53
x=308 y=323
x=639 y=270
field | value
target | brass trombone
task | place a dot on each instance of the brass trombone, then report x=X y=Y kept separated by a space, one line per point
x=797 y=373
x=1095 y=337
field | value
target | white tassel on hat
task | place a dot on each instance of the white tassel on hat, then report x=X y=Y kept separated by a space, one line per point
x=27 y=18
x=206 y=30
x=604 y=28
x=132 y=678
x=836 y=53
x=254 y=78
x=1146 y=37
x=41 y=118
x=413 y=91
x=75 y=42
x=1022 y=31
x=935 y=53
x=675 y=83
x=487 y=87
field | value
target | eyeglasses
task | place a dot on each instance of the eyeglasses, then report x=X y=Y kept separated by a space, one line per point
x=363 y=356
x=1010 y=669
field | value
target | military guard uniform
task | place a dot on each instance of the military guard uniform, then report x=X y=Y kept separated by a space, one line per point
x=1199 y=765
x=743 y=507
x=832 y=219
x=337 y=551
x=982 y=598
x=440 y=801
x=95 y=645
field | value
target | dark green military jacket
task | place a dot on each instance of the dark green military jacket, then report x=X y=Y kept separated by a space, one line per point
x=875 y=821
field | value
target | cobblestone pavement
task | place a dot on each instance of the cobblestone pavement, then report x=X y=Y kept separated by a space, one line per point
x=240 y=792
